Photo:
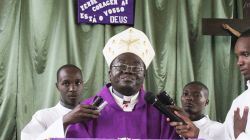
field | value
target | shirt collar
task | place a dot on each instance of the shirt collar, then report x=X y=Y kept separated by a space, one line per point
x=248 y=84
x=62 y=109
x=201 y=121
x=119 y=98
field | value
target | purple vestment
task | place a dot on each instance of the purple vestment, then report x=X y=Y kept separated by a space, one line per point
x=144 y=122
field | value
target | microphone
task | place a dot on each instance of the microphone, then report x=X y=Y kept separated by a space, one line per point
x=99 y=102
x=151 y=99
x=165 y=98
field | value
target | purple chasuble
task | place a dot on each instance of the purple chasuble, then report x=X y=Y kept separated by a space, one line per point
x=144 y=122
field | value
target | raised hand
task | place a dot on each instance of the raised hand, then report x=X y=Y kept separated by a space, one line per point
x=232 y=30
x=240 y=122
x=81 y=113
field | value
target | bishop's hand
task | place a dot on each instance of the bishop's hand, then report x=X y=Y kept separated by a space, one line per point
x=81 y=113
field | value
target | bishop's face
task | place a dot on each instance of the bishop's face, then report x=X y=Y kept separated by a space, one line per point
x=127 y=72
x=242 y=51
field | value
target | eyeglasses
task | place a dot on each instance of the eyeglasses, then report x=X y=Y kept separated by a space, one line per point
x=124 y=67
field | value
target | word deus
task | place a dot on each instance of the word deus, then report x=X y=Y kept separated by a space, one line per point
x=118 y=19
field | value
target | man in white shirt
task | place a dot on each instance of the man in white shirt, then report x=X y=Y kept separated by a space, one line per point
x=236 y=124
x=50 y=122
x=194 y=100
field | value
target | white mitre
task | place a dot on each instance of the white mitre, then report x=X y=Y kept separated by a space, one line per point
x=130 y=40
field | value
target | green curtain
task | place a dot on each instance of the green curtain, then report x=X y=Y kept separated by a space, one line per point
x=39 y=36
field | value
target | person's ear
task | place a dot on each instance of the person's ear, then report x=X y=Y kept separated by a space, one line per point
x=207 y=101
x=109 y=74
x=56 y=85
x=145 y=71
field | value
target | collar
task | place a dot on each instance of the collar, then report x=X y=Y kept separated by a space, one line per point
x=62 y=109
x=201 y=121
x=123 y=97
x=106 y=94
x=119 y=98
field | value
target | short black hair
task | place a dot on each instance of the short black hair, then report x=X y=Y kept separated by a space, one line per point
x=67 y=66
x=199 y=84
x=246 y=33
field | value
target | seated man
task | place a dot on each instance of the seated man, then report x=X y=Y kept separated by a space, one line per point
x=46 y=122
x=194 y=100
x=126 y=115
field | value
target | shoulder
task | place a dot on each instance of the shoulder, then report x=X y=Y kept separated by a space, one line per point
x=215 y=123
x=47 y=116
x=206 y=123
x=241 y=101
x=242 y=96
x=44 y=112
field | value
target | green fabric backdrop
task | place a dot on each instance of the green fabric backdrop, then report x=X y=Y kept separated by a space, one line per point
x=39 y=36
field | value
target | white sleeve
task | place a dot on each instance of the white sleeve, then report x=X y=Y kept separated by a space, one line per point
x=243 y=136
x=33 y=129
x=55 y=130
x=228 y=124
